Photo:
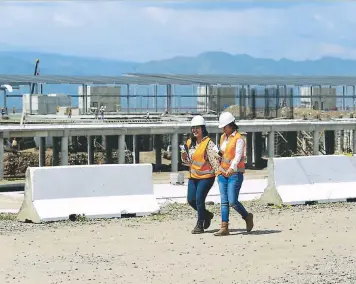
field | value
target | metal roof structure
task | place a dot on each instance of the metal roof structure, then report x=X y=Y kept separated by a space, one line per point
x=89 y=80
x=179 y=79
x=254 y=79
x=46 y=130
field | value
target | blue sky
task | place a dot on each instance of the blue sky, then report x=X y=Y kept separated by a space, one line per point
x=142 y=30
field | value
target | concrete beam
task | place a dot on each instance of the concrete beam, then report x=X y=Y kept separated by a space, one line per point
x=170 y=128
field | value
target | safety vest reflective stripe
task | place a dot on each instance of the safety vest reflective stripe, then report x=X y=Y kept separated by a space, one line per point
x=196 y=163
x=224 y=160
x=202 y=172
x=239 y=170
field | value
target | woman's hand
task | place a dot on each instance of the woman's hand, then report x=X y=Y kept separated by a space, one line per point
x=184 y=156
x=229 y=172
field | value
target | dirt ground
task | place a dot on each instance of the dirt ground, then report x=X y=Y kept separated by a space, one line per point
x=304 y=244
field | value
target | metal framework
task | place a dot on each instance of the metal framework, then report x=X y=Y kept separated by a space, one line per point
x=178 y=79
x=169 y=128
x=172 y=102
x=263 y=80
x=87 y=80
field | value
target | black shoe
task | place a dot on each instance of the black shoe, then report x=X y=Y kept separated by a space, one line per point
x=208 y=217
x=198 y=228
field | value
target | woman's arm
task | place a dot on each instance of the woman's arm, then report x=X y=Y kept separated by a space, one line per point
x=213 y=156
x=238 y=153
x=184 y=157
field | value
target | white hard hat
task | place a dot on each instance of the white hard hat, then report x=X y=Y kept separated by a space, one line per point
x=225 y=119
x=197 y=120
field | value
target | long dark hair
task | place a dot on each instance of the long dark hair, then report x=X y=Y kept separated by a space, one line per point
x=233 y=126
x=192 y=137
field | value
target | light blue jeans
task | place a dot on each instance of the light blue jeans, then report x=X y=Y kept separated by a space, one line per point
x=229 y=193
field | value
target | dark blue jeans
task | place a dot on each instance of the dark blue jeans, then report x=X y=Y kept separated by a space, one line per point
x=198 y=189
x=229 y=193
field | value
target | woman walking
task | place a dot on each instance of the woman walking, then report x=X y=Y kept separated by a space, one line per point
x=231 y=173
x=200 y=155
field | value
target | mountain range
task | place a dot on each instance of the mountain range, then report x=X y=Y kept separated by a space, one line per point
x=205 y=63
x=19 y=62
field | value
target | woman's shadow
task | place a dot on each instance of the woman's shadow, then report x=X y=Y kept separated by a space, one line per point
x=243 y=232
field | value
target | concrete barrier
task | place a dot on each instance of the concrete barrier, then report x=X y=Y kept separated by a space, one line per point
x=97 y=191
x=301 y=180
x=251 y=189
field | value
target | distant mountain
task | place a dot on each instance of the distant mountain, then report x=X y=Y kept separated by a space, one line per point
x=205 y=63
x=17 y=62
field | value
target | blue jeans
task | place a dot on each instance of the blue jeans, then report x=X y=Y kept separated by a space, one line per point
x=229 y=193
x=198 y=189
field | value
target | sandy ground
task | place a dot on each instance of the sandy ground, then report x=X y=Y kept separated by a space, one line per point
x=303 y=244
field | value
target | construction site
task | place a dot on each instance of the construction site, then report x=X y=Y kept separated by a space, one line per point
x=124 y=219
x=156 y=99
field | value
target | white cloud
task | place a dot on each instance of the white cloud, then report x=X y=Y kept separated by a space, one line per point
x=143 y=31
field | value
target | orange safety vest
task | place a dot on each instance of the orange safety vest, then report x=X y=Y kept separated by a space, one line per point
x=199 y=167
x=229 y=154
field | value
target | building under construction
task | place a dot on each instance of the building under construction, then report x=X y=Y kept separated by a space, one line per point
x=156 y=98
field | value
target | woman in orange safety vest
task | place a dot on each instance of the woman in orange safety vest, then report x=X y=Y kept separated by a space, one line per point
x=231 y=173
x=200 y=154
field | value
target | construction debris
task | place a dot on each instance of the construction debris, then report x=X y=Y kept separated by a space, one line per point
x=285 y=113
x=16 y=164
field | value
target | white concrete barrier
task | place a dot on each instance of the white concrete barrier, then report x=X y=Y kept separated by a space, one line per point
x=97 y=191
x=251 y=189
x=299 y=180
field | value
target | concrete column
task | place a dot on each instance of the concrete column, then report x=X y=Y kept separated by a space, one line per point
x=329 y=142
x=249 y=149
x=136 y=149
x=55 y=152
x=64 y=150
x=42 y=152
x=150 y=142
x=158 y=150
x=258 y=149
x=354 y=142
x=291 y=137
x=90 y=149
x=108 y=149
x=217 y=139
x=316 y=134
x=1 y=156
x=175 y=150
x=342 y=141
x=121 y=149
x=271 y=144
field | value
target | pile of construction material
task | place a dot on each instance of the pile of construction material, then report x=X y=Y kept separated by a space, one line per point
x=298 y=113
x=15 y=164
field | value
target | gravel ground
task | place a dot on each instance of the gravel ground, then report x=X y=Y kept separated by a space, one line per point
x=301 y=244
